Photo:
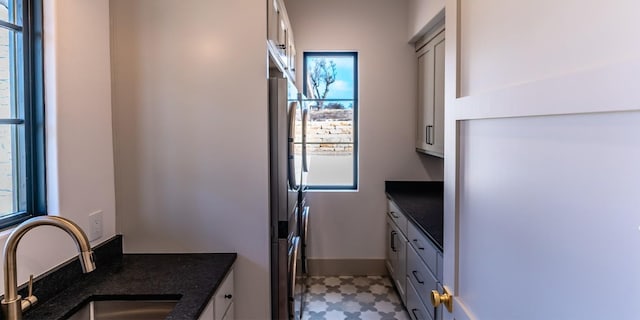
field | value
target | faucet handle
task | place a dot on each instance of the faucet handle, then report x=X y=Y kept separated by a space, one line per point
x=30 y=285
x=30 y=300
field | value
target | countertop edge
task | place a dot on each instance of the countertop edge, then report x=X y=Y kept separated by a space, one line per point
x=419 y=201
x=64 y=288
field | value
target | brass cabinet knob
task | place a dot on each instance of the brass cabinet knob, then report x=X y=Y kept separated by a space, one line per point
x=446 y=299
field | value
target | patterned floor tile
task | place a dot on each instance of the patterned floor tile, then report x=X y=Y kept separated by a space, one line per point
x=352 y=298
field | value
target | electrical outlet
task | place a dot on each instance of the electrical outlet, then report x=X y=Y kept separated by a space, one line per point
x=95 y=225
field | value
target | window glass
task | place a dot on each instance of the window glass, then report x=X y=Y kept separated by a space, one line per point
x=331 y=90
x=11 y=11
x=21 y=115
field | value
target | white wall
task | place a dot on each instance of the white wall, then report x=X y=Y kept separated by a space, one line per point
x=422 y=14
x=78 y=130
x=191 y=130
x=350 y=225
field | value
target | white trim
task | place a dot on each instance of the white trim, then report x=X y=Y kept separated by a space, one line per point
x=450 y=148
x=585 y=91
x=347 y=267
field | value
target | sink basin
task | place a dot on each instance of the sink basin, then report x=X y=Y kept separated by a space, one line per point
x=124 y=310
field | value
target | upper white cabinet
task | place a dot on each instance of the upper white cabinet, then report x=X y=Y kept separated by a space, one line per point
x=272 y=20
x=291 y=56
x=280 y=37
x=430 y=115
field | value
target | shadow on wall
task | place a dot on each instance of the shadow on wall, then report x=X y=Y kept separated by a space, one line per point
x=434 y=166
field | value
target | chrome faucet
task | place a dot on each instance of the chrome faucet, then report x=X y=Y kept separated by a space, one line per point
x=13 y=305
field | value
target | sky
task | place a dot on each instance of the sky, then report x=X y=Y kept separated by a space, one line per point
x=343 y=87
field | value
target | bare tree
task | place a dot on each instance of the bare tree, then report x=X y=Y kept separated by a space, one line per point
x=323 y=74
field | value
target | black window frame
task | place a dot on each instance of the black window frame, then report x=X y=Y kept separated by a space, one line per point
x=356 y=107
x=34 y=113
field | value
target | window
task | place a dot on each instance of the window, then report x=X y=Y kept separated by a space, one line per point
x=331 y=88
x=22 y=193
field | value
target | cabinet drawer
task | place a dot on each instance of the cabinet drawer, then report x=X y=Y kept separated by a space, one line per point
x=425 y=249
x=416 y=309
x=421 y=278
x=224 y=297
x=398 y=218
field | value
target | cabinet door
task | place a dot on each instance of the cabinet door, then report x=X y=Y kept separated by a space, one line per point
x=223 y=297
x=400 y=265
x=391 y=255
x=437 y=135
x=272 y=20
x=425 y=97
x=283 y=33
x=430 y=115
x=396 y=257
x=292 y=56
x=401 y=269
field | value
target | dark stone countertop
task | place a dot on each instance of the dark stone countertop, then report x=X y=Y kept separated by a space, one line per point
x=421 y=202
x=190 y=278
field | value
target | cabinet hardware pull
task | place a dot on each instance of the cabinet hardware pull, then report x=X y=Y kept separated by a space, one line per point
x=228 y=296
x=426 y=135
x=393 y=241
x=418 y=244
x=430 y=135
x=415 y=275
x=416 y=315
x=393 y=215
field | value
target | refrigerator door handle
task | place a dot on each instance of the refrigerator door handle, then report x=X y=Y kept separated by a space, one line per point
x=293 y=182
x=305 y=238
x=293 y=264
x=305 y=159
x=305 y=225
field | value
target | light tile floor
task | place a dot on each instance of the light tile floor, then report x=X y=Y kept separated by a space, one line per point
x=352 y=298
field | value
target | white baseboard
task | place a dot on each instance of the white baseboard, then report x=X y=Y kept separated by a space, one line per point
x=347 y=267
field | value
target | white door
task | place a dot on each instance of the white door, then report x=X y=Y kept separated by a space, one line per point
x=542 y=165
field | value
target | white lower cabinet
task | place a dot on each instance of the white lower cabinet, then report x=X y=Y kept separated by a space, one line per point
x=422 y=280
x=417 y=310
x=221 y=306
x=415 y=265
x=401 y=265
x=396 y=259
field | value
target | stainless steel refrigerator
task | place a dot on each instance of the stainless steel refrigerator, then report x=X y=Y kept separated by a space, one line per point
x=286 y=177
